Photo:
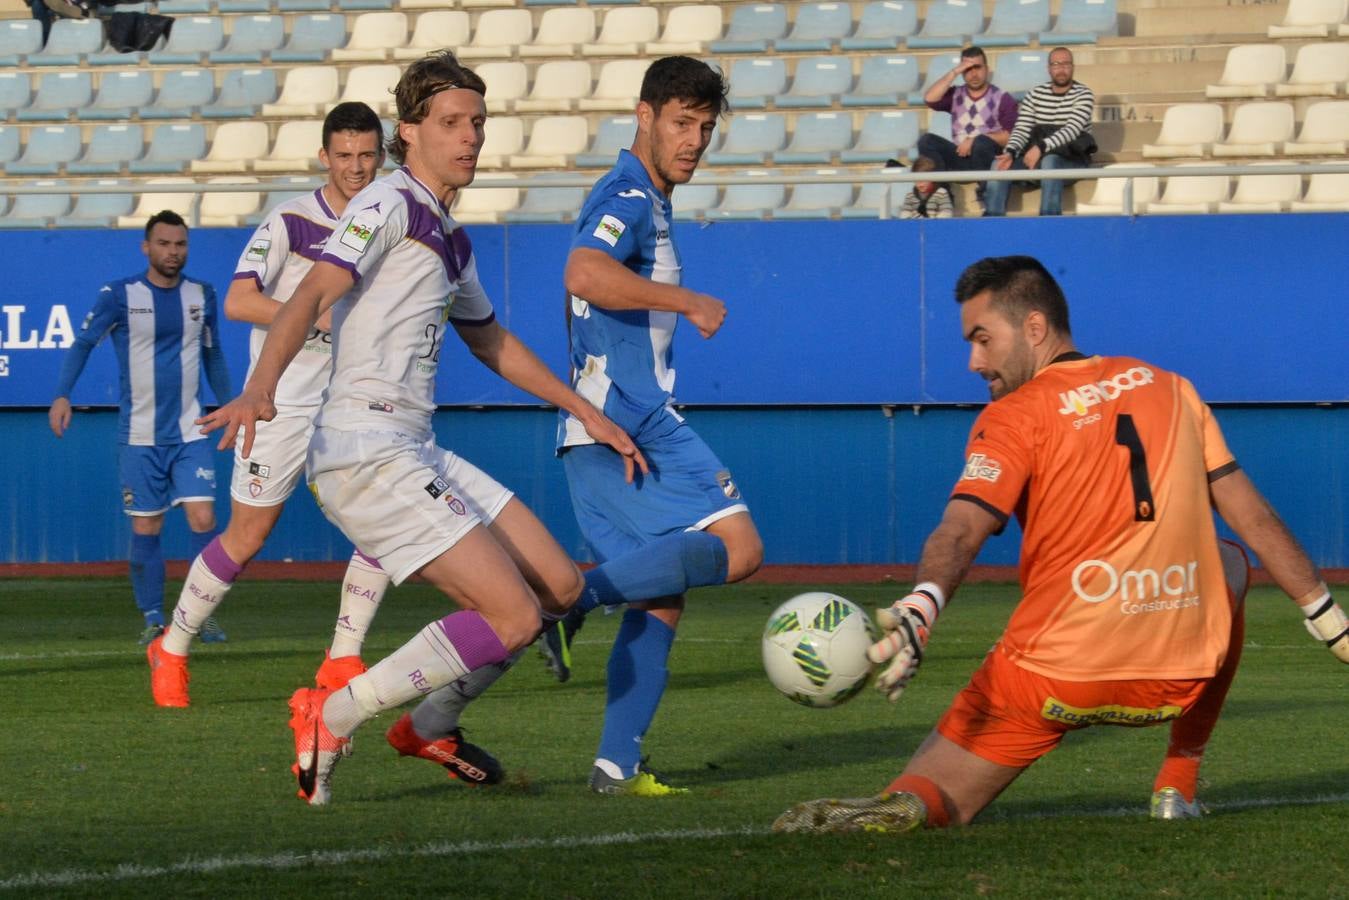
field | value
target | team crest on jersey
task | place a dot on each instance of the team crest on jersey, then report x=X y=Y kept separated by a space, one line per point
x=357 y=235
x=610 y=230
x=980 y=468
x=194 y=313
x=727 y=485
x=257 y=251
x=128 y=496
x=259 y=470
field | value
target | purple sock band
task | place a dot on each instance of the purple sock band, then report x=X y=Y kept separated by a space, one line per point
x=473 y=639
x=218 y=561
x=369 y=560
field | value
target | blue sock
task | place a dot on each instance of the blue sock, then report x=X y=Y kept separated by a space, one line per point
x=666 y=567
x=147 y=577
x=637 y=676
x=197 y=540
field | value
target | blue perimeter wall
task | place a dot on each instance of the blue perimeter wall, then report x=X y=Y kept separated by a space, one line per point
x=836 y=392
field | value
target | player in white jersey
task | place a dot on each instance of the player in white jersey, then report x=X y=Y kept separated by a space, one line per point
x=277 y=257
x=400 y=271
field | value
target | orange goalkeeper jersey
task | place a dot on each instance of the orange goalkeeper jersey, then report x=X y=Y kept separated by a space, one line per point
x=1106 y=462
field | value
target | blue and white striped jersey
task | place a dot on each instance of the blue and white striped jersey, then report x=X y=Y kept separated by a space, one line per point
x=622 y=360
x=163 y=337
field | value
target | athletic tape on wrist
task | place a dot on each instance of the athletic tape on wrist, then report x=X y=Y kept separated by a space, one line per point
x=1320 y=602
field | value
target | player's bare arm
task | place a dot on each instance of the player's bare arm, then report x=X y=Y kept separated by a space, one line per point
x=504 y=353
x=245 y=302
x=598 y=278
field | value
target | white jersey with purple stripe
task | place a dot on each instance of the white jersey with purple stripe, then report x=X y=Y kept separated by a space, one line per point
x=278 y=256
x=414 y=273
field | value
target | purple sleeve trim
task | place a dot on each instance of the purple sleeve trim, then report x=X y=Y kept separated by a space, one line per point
x=341 y=263
x=244 y=276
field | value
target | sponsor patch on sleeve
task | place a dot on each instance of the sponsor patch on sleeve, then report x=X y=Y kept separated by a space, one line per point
x=981 y=468
x=610 y=230
x=357 y=235
x=257 y=251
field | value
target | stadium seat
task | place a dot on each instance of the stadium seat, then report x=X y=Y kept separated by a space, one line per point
x=885 y=80
x=9 y=144
x=504 y=136
x=818 y=82
x=688 y=29
x=184 y=7
x=180 y=93
x=18 y=39
x=69 y=42
x=1325 y=131
x=750 y=139
x=883 y=25
x=110 y=148
x=295 y=149
x=1108 y=196
x=233 y=147
x=16 y=91
x=624 y=32
x=1310 y=18
x=547 y=204
x=937 y=66
x=302 y=185
x=312 y=38
x=816 y=139
x=817 y=201
x=553 y=141
x=148 y=204
x=506 y=82
x=617 y=86
x=753 y=26
x=49 y=148
x=58 y=95
x=877 y=199
x=949 y=23
x=120 y=96
x=1014 y=23
x=499 y=34
x=613 y=134
x=1263 y=193
x=485 y=200
x=171 y=148
x=1190 y=194
x=242 y=94
x=363 y=5
x=374 y=35
x=1082 y=22
x=307 y=91
x=228 y=209
x=475 y=4
x=885 y=134
x=97 y=210
x=562 y=32
x=939 y=123
x=372 y=85
x=1017 y=71
x=39 y=210
x=1258 y=129
x=294 y=6
x=749 y=201
x=818 y=26
x=190 y=40
x=558 y=85
x=755 y=81
x=243 y=6
x=692 y=201
x=1188 y=129
x=1251 y=70
x=1326 y=192
x=253 y=38
x=435 y=29
x=1318 y=69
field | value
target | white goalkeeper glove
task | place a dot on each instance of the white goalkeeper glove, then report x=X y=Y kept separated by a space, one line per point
x=907 y=625
x=1328 y=623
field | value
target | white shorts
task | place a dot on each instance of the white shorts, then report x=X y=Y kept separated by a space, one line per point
x=402 y=501
x=269 y=476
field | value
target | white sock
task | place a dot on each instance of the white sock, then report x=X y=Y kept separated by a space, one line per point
x=202 y=592
x=438 y=713
x=362 y=589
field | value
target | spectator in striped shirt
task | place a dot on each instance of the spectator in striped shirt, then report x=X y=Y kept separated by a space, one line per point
x=1053 y=131
x=927 y=200
x=982 y=117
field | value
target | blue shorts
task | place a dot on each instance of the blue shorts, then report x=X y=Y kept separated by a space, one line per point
x=687 y=490
x=153 y=478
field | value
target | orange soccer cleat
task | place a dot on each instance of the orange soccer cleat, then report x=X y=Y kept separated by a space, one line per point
x=464 y=761
x=317 y=749
x=168 y=675
x=334 y=674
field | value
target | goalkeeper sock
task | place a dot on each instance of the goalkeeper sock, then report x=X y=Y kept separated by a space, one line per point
x=637 y=676
x=666 y=567
x=927 y=791
x=147 y=577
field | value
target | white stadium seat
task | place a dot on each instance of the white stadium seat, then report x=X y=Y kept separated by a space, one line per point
x=1191 y=194
x=296 y=148
x=553 y=141
x=374 y=36
x=1258 y=129
x=1263 y=193
x=1188 y=129
x=1108 y=197
x=1251 y=70
x=307 y=91
x=233 y=147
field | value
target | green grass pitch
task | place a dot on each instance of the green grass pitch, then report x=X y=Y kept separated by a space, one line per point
x=104 y=795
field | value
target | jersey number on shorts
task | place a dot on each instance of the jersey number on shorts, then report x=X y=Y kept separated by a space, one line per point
x=1127 y=435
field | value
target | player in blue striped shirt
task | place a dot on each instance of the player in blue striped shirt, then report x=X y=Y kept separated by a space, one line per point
x=163 y=330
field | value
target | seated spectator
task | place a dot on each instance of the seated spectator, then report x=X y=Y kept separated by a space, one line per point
x=927 y=200
x=982 y=117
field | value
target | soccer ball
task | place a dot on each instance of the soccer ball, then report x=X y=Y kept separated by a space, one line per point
x=815 y=649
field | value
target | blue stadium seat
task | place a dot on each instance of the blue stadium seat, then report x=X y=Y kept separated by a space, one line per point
x=693 y=200
x=190 y=40
x=185 y=7
x=877 y=199
x=884 y=81
x=120 y=94
x=111 y=56
x=753 y=26
x=886 y=134
x=181 y=92
x=69 y=41
x=613 y=133
x=883 y=25
x=16 y=91
x=37 y=210
x=750 y=139
x=816 y=139
x=287 y=6
x=110 y=148
x=98 y=210
x=755 y=81
x=58 y=95
x=817 y=82
x=9 y=145
x=818 y=26
x=363 y=5
x=614 y=2
x=19 y=38
x=749 y=201
x=937 y=66
x=48 y=149
x=252 y=38
x=939 y=123
x=817 y=201
x=172 y=147
x=552 y=2
x=312 y=38
x=1082 y=22
x=1017 y=71
x=243 y=6
x=1014 y=23
x=547 y=204
x=242 y=93
x=949 y=23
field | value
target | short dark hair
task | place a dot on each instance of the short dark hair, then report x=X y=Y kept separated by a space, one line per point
x=972 y=51
x=163 y=217
x=924 y=164
x=690 y=81
x=428 y=76
x=1020 y=285
x=352 y=115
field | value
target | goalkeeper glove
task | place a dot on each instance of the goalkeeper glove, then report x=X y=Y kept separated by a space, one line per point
x=1328 y=623
x=907 y=625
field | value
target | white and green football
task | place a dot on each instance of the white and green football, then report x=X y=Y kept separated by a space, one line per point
x=815 y=649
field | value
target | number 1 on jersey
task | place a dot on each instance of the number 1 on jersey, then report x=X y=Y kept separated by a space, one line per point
x=1126 y=434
